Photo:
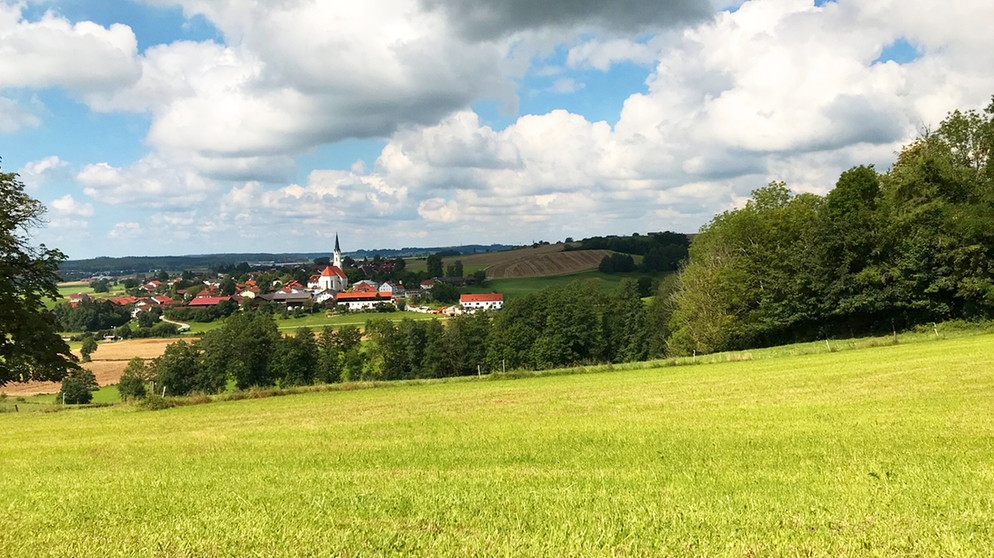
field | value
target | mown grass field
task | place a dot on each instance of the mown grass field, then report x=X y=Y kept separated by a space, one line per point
x=866 y=452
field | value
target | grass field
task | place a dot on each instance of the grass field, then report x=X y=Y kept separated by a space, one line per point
x=514 y=288
x=866 y=452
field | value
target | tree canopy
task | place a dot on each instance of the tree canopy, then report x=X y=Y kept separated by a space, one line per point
x=878 y=252
x=30 y=348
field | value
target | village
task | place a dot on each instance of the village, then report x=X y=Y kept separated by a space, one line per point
x=328 y=288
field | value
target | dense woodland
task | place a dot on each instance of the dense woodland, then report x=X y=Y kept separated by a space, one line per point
x=880 y=252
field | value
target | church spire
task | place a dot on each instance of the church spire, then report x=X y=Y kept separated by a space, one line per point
x=338 y=254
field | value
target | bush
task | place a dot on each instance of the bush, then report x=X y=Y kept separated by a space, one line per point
x=78 y=387
x=132 y=383
x=89 y=346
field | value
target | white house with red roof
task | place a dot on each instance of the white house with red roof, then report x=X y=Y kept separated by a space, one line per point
x=489 y=301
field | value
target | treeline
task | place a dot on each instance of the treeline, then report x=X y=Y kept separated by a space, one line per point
x=879 y=253
x=660 y=251
x=562 y=326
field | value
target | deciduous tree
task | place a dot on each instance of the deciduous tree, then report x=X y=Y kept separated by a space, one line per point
x=30 y=348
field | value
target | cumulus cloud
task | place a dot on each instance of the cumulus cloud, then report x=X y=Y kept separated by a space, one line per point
x=53 y=52
x=66 y=205
x=151 y=182
x=67 y=213
x=34 y=173
x=14 y=116
x=124 y=230
x=490 y=19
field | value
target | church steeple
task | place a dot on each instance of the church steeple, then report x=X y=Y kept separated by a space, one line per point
x=338 y=254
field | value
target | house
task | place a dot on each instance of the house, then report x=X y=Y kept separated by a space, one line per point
x=77 y=299
x=152 y=285
x=205 y=301
x=427 y=285
x=365 y=286
x=474 y=302
x=360 y=301
x=291 y=298
x=123 y=300
x=391 y=290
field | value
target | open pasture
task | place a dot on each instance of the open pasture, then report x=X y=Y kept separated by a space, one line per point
x=867 y=452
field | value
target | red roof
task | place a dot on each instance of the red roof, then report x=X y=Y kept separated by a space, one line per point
x=364 y=288
x=124 y=300
x=208 y=300
x=490 y=297
x=163 y=300
x=332 y=271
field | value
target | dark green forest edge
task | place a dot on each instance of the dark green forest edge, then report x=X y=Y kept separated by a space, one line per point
x=878 y=254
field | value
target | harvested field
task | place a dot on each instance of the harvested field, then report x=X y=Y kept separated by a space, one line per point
x=108 y=363
x=547 y=265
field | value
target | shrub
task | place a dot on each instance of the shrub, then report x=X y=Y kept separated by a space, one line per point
x=132 y=383
x=78 y=387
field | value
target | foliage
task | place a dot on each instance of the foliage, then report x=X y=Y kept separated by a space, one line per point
x=132 y=384
x=88 y=347
x=78 y=387
x=91 y=315
x=30 y=348
x=879 y=252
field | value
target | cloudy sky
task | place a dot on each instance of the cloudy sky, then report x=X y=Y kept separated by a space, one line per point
x=153 y=127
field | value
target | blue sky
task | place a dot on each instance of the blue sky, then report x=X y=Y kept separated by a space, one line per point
x=192 y=126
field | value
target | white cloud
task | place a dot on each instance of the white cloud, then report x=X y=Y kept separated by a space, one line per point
x=124 y=230
x=66 y=205
x=151 y=182
x=35 y=173
x=67 y=213
x=14 y=116
x=53 y=52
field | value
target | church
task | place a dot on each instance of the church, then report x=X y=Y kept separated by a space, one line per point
x=332 y=277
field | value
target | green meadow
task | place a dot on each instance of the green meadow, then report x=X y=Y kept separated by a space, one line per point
x=883 y=451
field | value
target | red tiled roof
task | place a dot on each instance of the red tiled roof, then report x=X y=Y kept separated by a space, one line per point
x=332 y=271
x=123 y=300
x=208 y=300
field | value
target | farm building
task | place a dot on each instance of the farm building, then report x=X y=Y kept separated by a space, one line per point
x=472 y=302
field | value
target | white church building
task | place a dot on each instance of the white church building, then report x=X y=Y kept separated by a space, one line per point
x=332 y=277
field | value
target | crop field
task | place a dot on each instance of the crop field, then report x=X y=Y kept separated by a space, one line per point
x=866 y=452
x=514 y=288
x=540 y=261
x=108 y=364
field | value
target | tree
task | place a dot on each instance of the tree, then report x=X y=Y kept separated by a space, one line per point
x=434 y=265
x=78 y=387
x=30 y=348
x=132 y=382
x=88 y=348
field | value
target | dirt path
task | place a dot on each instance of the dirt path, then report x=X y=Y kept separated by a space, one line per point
x=108 y=364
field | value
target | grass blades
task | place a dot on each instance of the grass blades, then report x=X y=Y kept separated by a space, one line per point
x=883 y=451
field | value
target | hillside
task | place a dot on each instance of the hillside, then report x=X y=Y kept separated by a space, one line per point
x=541 y=261
x=883 y=451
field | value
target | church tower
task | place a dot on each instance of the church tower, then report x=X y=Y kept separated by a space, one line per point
x=337 y=261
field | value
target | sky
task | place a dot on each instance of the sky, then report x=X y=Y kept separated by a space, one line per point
x=170 y=127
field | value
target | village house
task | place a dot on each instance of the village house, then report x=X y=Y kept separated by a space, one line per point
x=474 y=302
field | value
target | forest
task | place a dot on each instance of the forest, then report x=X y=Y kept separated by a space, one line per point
x=879 y=253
